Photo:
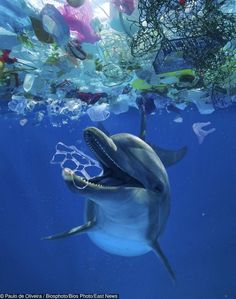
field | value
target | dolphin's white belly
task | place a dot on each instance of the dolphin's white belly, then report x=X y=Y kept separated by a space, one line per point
x=120 y=246
x=123 y=232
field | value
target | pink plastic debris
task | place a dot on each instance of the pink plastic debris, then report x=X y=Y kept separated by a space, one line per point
x=125 y=6
x=201 y=134
x=79 y=21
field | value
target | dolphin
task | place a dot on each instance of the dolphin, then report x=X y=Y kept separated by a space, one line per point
x=128 y=206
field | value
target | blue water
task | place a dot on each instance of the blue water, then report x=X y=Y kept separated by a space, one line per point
x=199 y=240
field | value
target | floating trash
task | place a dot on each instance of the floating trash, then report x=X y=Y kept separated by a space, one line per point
x=202 y=100
x=145 y=102
x=76 y=50
x=125 y=6
x=120 y=104
x=54 y=53
x=55 y=24
x=18 y=104
x=178 y=120
x=184 y=53
x=78 y=18
x=220 y=98
x=200 y=133
x=185 y=34
x=98 y=112
x=23 y=121
x=75 y=3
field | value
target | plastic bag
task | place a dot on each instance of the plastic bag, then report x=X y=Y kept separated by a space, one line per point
x=55 y=24
x=79 y=22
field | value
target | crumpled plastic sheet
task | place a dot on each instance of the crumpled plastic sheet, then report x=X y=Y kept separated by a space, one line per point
x=55 y=24
x=79 y=21
x=14 y=15
x=200 y=133
x=77 y=161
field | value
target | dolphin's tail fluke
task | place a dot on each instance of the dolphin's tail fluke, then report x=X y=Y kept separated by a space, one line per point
x=74 y=231
x=157 y=249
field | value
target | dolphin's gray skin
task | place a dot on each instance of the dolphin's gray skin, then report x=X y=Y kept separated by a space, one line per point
x=128 y=206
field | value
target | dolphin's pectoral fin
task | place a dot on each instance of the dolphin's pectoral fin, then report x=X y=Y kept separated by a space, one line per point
x=90 y=210
x=170 y=157
x=157 y=249
x=74 y=231
x=143 y=125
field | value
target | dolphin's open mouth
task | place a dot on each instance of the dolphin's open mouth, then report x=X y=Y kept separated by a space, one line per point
x=113 y=175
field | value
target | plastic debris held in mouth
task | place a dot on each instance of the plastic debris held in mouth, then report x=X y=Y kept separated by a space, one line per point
x=80 y=163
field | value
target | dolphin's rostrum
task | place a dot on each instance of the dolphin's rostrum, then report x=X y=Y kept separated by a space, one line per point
x=128 y=206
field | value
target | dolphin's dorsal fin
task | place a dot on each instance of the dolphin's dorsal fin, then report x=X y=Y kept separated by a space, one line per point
x=169 y=157
x=143 y=125
x=157 y=249
x=74 y=231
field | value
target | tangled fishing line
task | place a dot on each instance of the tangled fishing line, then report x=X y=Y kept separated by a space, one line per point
x=197 y=28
